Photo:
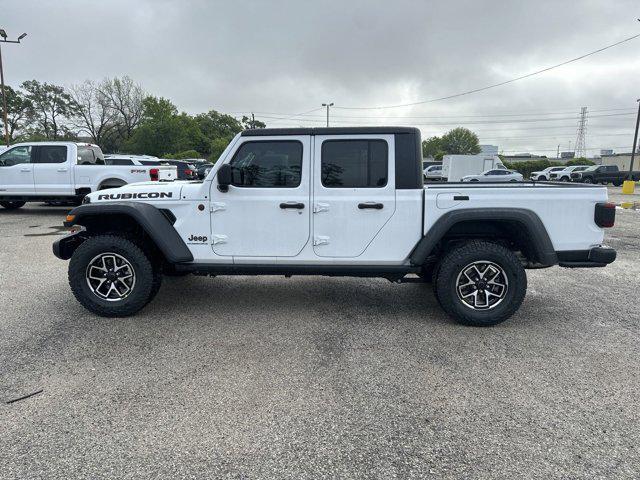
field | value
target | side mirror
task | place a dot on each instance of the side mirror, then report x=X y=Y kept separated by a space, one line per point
x=224 y=177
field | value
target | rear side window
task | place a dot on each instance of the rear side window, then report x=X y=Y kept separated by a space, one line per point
x=86 y=155
x=118 y=161
x=15 y=156
x=52 y=154
x=149 y=162
x=354 y=163
x=267 y=164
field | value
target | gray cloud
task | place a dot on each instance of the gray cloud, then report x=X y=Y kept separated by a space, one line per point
x=290 y=56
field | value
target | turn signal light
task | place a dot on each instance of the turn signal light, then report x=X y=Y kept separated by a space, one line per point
x=71 y=218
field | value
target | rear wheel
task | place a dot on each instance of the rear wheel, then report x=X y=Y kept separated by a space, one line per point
x=12 y=205
x=480 y=283
x=588 y=180
x=111 y=276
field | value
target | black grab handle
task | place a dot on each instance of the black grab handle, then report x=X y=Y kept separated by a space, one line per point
x=299 y=206
x=375 y=206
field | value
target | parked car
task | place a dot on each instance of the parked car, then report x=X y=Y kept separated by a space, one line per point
x=544 y=175
x=564 y=175
x=186 y=171
x=357 y=206
x=58 y=172
x=454 y=167
x=166 y=173
x=203 y=169
x=603 y=174
x=497 y=175
x=433 y=173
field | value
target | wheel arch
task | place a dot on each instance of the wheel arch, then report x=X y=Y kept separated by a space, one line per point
x=130 y=219
x=522 y=227
x=113 y=182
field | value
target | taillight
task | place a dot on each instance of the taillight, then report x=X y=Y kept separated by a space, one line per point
x=188 y=172
x=605 y=214
x=154 y=174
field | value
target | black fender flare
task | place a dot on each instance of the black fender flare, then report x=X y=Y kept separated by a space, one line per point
x=536 y=231
x=149 y=218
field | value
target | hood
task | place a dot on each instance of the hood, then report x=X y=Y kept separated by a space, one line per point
x=156 y=191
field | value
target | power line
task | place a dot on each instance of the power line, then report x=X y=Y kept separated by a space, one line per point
x=521 y=114
x=481 y=89
x=471 y=122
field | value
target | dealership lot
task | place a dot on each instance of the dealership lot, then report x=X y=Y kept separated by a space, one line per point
x=316 y=378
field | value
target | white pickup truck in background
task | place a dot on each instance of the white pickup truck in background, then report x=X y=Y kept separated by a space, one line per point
x=65 y=171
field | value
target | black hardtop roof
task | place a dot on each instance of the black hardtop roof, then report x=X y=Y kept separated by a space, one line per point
x=262 y=132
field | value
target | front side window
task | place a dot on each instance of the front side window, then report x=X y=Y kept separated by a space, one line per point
x=354 y=163
x=267 y=164
x=15 y=156
x=52 y=154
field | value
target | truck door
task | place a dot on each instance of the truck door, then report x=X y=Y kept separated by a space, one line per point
x=266 y=211
x=353 y=192
x=52 y=170
x=16 y=171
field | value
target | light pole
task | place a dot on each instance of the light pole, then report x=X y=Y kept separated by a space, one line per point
x=3 y=34
x=327 y=105
x=635 y=142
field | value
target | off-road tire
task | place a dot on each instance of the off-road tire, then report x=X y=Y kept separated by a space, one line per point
x=459 y=258
x=145 y=286
x=12 y=205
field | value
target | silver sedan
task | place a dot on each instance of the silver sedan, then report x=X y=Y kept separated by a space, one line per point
x=498 y=175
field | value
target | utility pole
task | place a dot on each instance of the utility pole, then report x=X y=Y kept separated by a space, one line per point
x=3 y=39
x=253 y=120
x=635 y=140
x=558 y=152
x=581 y=147
x=327 y=105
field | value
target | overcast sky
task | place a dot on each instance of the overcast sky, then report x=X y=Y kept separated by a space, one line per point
x=280 y=58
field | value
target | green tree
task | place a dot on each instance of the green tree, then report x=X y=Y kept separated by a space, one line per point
x=248 y=123
x=51 y=107
x=460 y=141
x=579 y=161
x=19 y=109
x=432 y=147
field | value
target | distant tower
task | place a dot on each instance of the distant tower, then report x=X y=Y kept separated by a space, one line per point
x=581 y=147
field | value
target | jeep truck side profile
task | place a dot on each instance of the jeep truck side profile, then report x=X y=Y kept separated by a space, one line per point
x=333 y=202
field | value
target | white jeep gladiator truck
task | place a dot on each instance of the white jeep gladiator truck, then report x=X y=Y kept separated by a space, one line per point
x=335 y=202
x=64 y=171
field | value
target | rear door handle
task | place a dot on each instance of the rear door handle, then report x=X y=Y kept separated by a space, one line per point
x=375 y=206
x=63 y=169
x=296 y=205
x=25 y=169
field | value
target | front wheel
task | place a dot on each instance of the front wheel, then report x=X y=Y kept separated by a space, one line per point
x=480 y=283
x=111 y=276
x=12 y=205
x=588 y=180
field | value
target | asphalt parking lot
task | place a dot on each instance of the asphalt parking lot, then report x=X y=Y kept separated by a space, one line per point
x=316 y=378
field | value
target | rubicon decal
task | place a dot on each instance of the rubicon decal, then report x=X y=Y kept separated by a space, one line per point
x=129 y=196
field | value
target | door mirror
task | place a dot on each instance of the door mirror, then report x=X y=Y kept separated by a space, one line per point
x=224 y=177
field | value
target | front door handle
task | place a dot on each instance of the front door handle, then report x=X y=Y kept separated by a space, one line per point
x=296 y=205
x=375 y=206
x=63 y=170
x=25 y=169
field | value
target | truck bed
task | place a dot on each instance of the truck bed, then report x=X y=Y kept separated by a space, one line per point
x=565 y=209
